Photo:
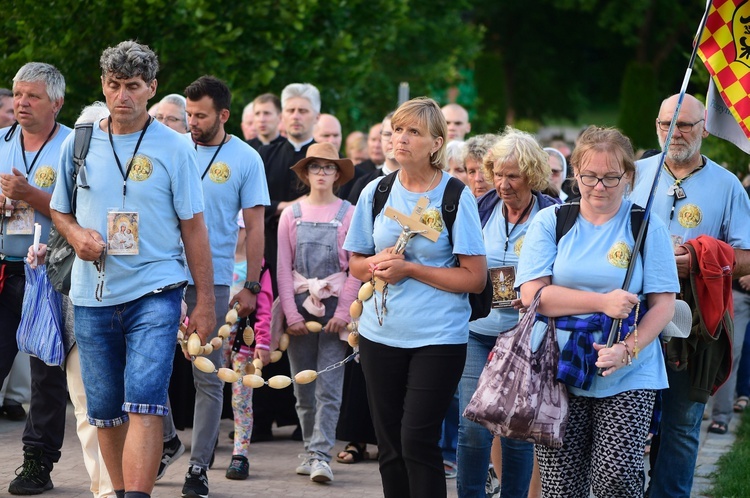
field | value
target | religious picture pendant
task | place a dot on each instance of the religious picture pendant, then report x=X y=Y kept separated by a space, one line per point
x=122 y=233
x=503 y=283
x=21 y=221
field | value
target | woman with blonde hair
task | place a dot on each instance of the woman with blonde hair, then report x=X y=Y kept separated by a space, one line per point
x=518 y=169
x=413 y=341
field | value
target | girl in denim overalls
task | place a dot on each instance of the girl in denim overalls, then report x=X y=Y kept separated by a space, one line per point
x=314 y=285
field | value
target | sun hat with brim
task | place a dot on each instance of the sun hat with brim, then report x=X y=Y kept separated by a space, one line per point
x=681 y=323
x=327 y=152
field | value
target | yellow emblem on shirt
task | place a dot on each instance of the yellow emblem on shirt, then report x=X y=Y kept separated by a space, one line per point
x=141 y=168
x=619 y=255
x=45 y=176
x=518 y=245
x=219 y=172
x=690 y=216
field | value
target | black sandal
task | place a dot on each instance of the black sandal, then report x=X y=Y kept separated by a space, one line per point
x=357 y=452
x=718 y=427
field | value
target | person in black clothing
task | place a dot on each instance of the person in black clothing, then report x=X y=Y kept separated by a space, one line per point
x=266 y=119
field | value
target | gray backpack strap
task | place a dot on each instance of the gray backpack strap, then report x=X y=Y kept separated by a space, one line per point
x=81 y=142
x=342 y=211
x=297 y=210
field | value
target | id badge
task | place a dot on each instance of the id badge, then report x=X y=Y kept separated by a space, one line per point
x=503 y=283
x=21 y=221
x=122 y=233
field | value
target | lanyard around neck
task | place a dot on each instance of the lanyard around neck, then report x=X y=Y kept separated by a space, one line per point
x=39 y=152
x=509 y=232
x=223 y=140
x=130 y=162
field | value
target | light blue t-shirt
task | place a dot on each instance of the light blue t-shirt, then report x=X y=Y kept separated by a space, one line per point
x=164 y=188
x=715 y=203
x=236 y=180
x=42 y=176
x=418 y=314
x=500 y=320
x=594 y=258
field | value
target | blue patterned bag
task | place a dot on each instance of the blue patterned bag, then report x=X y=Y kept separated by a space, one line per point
x=40 y=332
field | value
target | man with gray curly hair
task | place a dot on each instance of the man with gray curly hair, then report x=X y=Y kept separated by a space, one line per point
x=127 y=303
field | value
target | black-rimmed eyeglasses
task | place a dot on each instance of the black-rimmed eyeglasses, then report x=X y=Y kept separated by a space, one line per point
x=680 y=125
x=328 y=169
x=607 y=181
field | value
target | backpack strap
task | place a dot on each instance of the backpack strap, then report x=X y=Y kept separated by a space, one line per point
x=81 y=142
x=568 y=213
x=451 y=198
x=382 y=191
x=449 y=208
x=566 y=217
x=342 y=211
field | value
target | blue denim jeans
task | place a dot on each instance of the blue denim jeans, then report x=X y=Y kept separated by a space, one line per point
x=723 y=402
x=679 y=436
x=126 y=354
x=475 y=442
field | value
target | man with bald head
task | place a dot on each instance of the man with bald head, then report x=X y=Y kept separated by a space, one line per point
x=328 y=129
x=457 y=119
x=694 y=196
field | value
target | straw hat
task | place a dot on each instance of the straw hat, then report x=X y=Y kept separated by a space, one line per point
x=327 y=152
x=681 y=323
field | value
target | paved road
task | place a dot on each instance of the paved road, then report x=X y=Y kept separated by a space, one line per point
x=271 y=468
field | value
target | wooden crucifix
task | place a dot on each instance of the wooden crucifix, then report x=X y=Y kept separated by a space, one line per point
x=410 y=226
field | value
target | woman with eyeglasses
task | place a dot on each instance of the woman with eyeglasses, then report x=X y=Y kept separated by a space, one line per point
x=315 y=285
x=581 y=276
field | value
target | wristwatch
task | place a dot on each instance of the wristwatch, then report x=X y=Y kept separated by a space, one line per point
x=253 y=287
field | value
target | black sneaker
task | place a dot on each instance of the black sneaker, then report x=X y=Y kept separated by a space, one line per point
x=14 y=412
x=196 y=483
x=172 y=450
x=32 y=477
x=239 y=468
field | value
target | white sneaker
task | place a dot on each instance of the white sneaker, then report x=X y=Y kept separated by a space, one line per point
x=321 y=471
x=305 y=468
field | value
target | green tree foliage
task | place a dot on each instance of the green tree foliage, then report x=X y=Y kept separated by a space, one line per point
x=355 y=51
x=639 y=105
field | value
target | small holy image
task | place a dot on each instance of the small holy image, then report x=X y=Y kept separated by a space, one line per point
x=122 y=233
x=21 y=220
x=503 y=283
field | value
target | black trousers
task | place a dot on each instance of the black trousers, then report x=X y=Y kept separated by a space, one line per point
x=409 y=391
x=45 y=424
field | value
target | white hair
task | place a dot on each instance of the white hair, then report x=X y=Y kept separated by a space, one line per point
x=93 y=113
x=304 y=90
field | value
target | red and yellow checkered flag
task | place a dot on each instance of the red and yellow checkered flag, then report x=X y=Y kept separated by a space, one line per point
x=725 y=50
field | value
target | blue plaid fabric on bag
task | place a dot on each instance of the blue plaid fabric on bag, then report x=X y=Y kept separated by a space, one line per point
x=577 y=365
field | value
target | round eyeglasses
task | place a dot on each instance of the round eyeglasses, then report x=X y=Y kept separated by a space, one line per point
x=328 y=169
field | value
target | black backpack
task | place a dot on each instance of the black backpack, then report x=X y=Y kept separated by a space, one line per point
x=568 y=212
x=481 y=303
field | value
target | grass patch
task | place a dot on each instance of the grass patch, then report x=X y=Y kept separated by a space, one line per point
x=731 y=478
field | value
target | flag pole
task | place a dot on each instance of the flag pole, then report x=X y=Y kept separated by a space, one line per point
x=616 y=324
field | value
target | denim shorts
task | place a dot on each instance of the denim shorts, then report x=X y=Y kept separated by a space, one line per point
x=126 y=355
